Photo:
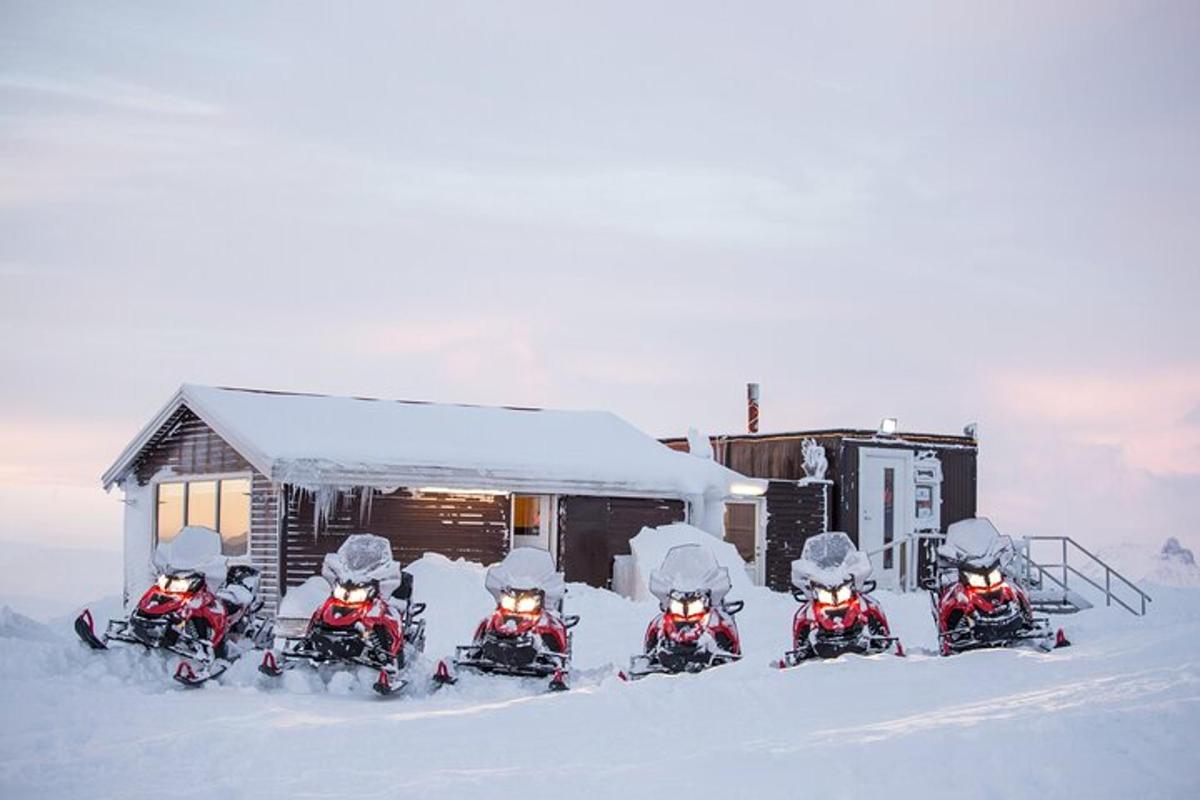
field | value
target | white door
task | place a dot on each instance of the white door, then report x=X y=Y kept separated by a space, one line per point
x=746 y=529
x=884 y=508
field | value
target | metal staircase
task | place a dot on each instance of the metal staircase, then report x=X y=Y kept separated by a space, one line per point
x=1043 y=565
x=1047 y=570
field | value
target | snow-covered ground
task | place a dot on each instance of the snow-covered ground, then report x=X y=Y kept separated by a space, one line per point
x=1117 y=715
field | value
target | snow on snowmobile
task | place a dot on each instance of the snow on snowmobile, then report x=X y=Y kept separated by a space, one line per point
x=696 y=629
x=527 y=634
x=369 y=619
x=182 y=614
x=976 y=601
x=836 y=614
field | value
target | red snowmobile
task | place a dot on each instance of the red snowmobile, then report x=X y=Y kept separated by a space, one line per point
x=696 y=629
x=976 y=601
x=836 y=615
x=527 y=634
x=369 y=619
x=181 y=613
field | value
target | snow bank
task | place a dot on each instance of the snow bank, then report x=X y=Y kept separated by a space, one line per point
x=19 y=626
x=649 y=548
x=301 y=601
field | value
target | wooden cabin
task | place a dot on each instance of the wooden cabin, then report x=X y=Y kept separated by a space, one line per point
x=876 y=487
x=285 y=477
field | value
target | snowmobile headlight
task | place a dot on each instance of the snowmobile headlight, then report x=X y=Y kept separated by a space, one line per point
x=527 y=604
x=842 y=595
x=349 y=593
x=162 y=582
x=696 y=607
x=173 y=584
x=508 y=602
x=677 y=607
x=825 y=597
x=995 y=578
x=977 y=580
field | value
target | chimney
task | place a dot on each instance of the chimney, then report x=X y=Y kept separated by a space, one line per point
x=752 y=407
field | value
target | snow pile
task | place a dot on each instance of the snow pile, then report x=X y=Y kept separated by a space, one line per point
x=19 y=626
x=650 y=547
x=301 y=601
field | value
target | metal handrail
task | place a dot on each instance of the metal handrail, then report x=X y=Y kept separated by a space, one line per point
x=910 y=558
x=1068 y=570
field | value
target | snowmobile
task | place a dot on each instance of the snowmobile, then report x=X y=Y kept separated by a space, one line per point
x=369 y=619
x=976 y=600
x=527 y=635
x=182 y=614
x=696 y=629
x=836 y=615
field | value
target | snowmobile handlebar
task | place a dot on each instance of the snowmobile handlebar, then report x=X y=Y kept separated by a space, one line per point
x=416 y=610
x=734 y=607
x=570 y=620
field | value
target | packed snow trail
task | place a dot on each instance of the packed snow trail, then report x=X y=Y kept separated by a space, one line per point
x=1116 y=715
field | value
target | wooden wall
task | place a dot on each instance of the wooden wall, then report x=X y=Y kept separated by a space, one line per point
x=474 y=527
x=190 y=448
x=592 y=531
x=795 y=511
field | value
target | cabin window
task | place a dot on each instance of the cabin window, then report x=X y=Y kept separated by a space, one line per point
x=527 y=517
x=223 y=505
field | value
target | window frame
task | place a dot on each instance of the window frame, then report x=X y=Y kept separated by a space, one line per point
x=216 y=477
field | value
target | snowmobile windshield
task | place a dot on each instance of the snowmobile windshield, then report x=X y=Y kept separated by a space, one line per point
x=363 y=558
x=365 y=552
x=830 y=560
x=690 y=569
x=975 y=543
x=526 y=569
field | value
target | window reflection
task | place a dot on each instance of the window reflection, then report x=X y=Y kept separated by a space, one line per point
x=169 y=519
x=235 y=516
x=202 y=504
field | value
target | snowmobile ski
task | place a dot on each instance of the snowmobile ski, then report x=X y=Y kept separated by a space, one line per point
x=188 y=676
x=86 y=630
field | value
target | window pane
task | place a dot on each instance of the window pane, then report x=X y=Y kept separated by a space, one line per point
x=235 y=516
x=169 y=518
x=202 y=504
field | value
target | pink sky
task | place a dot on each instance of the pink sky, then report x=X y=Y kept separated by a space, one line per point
x=943 y=213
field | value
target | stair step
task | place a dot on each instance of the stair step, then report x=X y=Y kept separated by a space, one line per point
x=1058 y=601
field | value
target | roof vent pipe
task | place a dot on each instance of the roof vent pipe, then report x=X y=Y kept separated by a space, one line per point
x=752 y=407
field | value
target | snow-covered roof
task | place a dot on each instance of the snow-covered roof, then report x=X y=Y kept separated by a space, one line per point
x=313 y=440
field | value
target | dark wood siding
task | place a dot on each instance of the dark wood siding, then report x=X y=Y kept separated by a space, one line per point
x=959 y=485
x=796 y=511
x=189 y=448
x=592 y=531
x=474 y=527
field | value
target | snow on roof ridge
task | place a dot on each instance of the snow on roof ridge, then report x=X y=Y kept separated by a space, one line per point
x=291 y=393
x=329 y=439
